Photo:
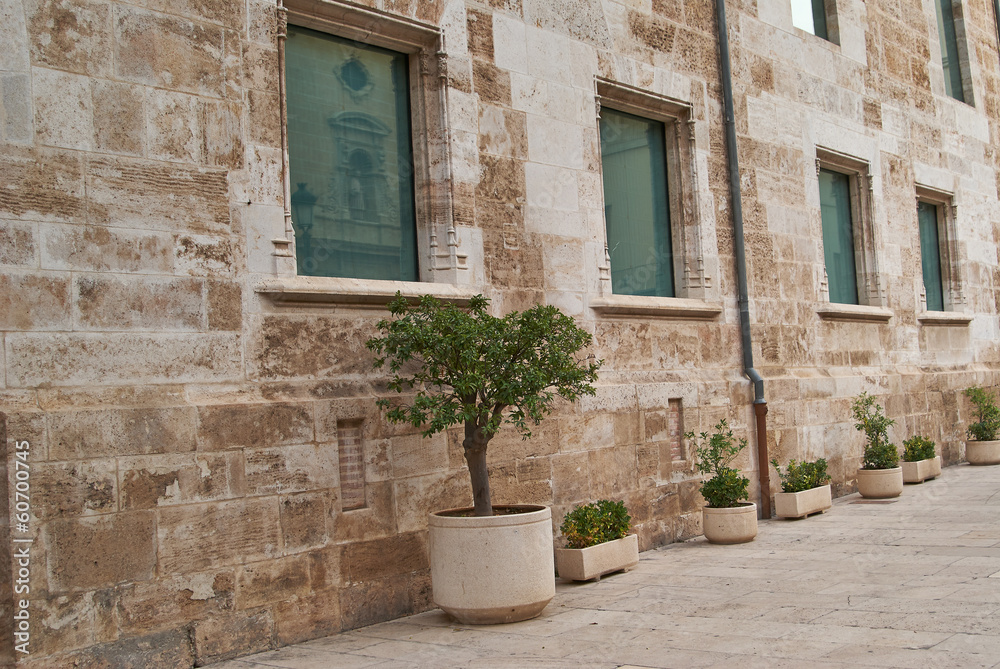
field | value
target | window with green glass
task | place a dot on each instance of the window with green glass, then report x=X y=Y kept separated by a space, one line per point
x=350 y=158
x=950 y=57
x=838 y=236
x=636 y=204
x=810 y=15
x=930 y=255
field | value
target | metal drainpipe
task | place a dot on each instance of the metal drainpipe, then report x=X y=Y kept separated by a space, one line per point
x=759 y=403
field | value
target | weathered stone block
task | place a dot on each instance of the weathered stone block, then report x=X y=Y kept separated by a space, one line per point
x=198 y=537
x=64 y=113
x=301 y=346
x=151 y=481
x=41 y=185
x=105 y=249
x=138 y=303
x=173 y=126
x=368 y=603
x=18 y=244
x=163 y=649
x=419 y=495
x=110 y=432
x=168 y=52
x=34 y=302
x=270 y=581
x=204 y=255
x=72 y=35
x=254 y=425
x=119 y=118
x=16 y=108
x=373 y=560
x=376 y=519
x=225 y=305
x=99 y=551
x=222 y=134
x=294 y=468
x=145 y=607
x=74 y=488
x=304 y=521
x=115 y=358
x=309 y=617
x=222 y=637
x=145 y=196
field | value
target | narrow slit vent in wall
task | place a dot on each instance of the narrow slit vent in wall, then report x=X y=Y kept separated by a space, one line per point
x=675 y=430
x=352 y=465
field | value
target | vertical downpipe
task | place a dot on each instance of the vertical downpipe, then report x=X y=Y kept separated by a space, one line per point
x=759 y=403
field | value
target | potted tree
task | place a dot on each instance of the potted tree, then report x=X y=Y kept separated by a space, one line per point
x=466 y=367
x=982 y=447
x=880 y=476
x=597 y=541
x=726 y=519
x=805 y=489
x=919 y=460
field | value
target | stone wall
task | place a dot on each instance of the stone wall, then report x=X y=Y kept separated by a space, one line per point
x=189 y=425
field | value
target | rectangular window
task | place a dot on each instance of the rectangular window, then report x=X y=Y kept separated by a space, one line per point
x=636 y=204
x=810 y=15
x=838 y=236
x=930 y=254
x=350 y=158
x=950 y=57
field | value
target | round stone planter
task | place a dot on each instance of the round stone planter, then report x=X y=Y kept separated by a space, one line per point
x=736 y=525
x=492 y=569
x=880 y=483
x=982 y=452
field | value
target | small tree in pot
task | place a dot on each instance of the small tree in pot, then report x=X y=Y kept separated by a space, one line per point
x=726 y=520
x=983 y=448
x=471 y=368
x=880 y=475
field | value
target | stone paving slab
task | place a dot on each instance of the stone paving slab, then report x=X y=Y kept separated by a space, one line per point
x=914 y=583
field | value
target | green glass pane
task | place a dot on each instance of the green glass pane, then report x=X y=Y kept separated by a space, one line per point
x=819 y=19
x=838 y=236
x=633 y=160
x=949 y=50
x=350 y=158
x=930 y=255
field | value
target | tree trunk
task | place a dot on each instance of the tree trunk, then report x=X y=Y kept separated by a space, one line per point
x=475 y=455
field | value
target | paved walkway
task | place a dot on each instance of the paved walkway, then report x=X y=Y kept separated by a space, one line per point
x=910 y=583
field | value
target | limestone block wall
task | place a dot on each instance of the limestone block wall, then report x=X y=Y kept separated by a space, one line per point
x=210 y=474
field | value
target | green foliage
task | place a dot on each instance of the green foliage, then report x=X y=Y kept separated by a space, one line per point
x=801 y=476
x=879 y=452
x=987 y=423
x=918 y=448
x=596 y=523
x=726 y=487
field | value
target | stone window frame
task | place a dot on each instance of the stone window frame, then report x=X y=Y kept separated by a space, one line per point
x=832 y=22
x=442 y=262
x=697 y=296
x=962 y=44
x=950 y=258
x=871 y=296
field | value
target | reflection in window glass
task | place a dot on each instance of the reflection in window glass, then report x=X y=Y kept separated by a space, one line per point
x=633 y=160
x=930 y=255
x=810 y=15
x=350 y=161
x=838 y=236
x=949 y=50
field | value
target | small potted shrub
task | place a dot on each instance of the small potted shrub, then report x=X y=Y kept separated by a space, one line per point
x=597 y=541
x=880 y=476
x=919 y=460
x=805 y=489
x=982 y=447
x=726 y=519
x=467 y=367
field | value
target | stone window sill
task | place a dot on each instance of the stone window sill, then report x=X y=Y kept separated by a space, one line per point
x=660 y=307
x=854 y=312
x=318 y=291
x=944 y=318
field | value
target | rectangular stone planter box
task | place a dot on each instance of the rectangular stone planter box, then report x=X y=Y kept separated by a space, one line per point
x=921 y=470
x=584 y=564
x=801 y=504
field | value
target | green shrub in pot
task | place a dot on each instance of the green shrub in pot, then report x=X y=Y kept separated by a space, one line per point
x=595 y=523
x=799 y=476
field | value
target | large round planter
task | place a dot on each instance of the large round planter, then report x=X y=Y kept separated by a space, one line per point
x=492 y=569
x=736 y=525
x=880 y=483
x=982 y=452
